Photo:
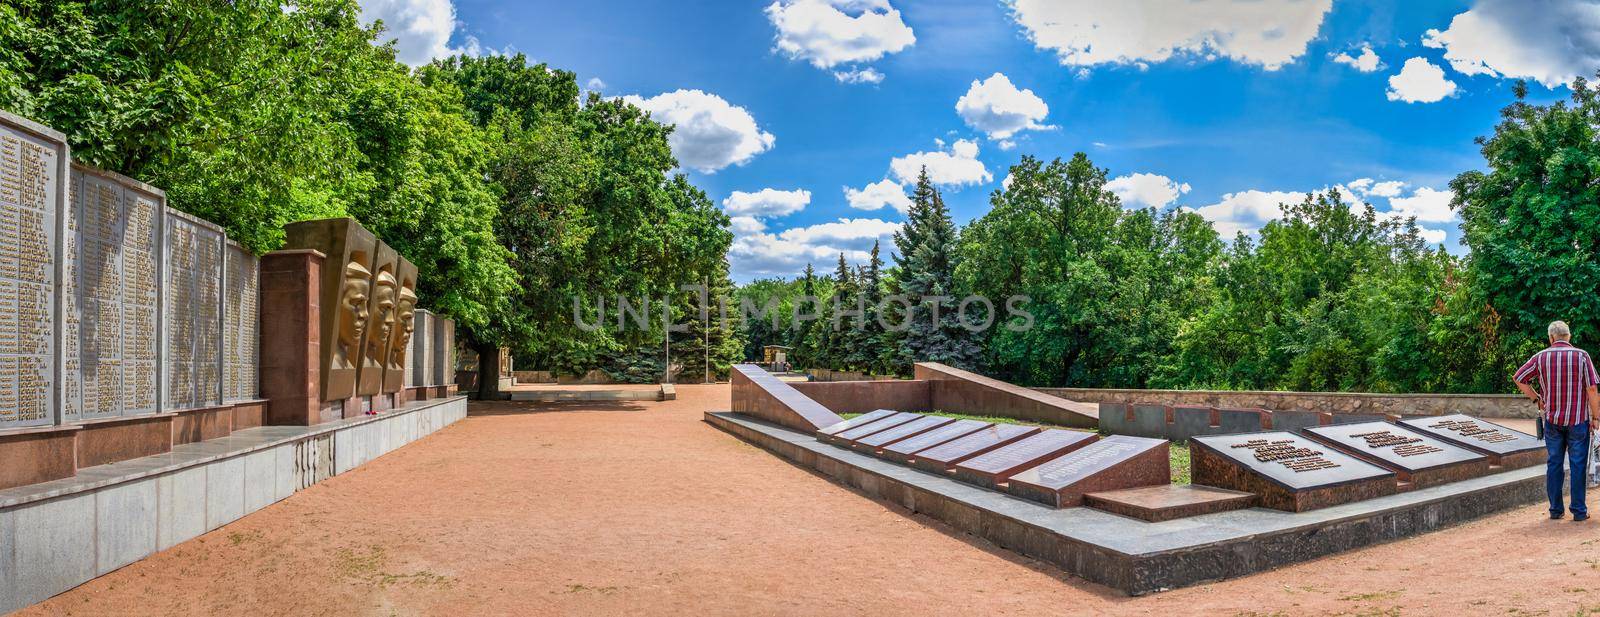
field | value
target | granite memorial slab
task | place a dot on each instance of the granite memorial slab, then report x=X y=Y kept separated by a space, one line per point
x=421 y=374
x=863 y=419
x=1417 y=459
x=34 y=174
x=241 y=327
x=1168 y=501
x=942 y=458
x=847 y=436
x=1502 y=446
x=994 y=467
x=111 y=292
x=1115 y=462
x=874 y=442
x=902 y=451
x=193 y=301
x=1287 y=471
x=346 y=287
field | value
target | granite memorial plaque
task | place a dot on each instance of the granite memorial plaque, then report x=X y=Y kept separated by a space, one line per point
x=1416 y=458
x=1287 y=471
x=422 y=350
x=33 y=178
x=444 y=352
x=860 y=420
x=241 y=325
x=872 y=443
x=847 y=436
x=193 y=297
x=1503 y=447
x=346 y=287
x=404 y=326
x=903 y=451
x=992 y=468
x=942 y=458
x=381 y=311
x=111 y=293
x=1114 y=462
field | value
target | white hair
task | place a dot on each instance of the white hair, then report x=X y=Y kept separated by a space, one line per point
x=1559 y=331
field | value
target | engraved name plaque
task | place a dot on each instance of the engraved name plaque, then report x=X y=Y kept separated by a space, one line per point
x=241 y=325
x=33 y=174
x=193 y=312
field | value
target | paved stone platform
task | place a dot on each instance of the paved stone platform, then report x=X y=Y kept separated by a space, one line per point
x=1169 y=501
x=1138 y=557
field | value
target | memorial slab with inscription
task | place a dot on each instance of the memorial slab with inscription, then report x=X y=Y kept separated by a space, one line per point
x=193 y=297
x=1287 y=471
x=1113 y=462
x=33 y=176
x=861 y=420
x=994 y=467
x=1502 y=446
x=877 y=440
x=847 y=436
x=112 y=291
x=241 y=325
x=1417 y=459
x=942 y=458
x=904 y=450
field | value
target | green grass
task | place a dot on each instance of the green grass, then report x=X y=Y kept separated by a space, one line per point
x=1178 y=452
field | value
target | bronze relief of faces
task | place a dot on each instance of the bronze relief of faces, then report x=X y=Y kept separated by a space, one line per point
x=352 y=313
x=407 y=319
x=384 y=298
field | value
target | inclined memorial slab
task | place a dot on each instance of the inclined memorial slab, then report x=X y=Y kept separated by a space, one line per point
x=845 y=437
x=1418 y=459
x=990 y=469
x=887 y=436
x=1501 y=445
x=860 y=420
x=903 y=450
x=1288 y=471
x=1114 y=462
x=940 y=459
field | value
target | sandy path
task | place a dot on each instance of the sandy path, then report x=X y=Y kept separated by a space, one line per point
x=641 y=508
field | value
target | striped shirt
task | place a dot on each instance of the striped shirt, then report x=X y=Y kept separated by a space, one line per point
x=1565 y=374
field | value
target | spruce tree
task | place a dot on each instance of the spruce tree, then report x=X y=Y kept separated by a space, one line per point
x=927 y=244
x=807 y=341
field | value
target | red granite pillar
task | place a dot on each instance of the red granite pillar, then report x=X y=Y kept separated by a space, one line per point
x=290 y=349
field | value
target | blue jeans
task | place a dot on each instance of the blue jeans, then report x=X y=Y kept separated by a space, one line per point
x=1571 y=443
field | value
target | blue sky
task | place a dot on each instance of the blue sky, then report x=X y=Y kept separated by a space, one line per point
x=796 y=114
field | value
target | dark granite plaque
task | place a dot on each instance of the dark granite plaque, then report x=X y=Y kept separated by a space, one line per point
x=901 y=451
x=845 y=437
x=873 y=442
x=1115 y=462
x=1503 y=446
x=1288 y=471
x=994 y=467
x=942 y=458
x=1418 y=459
x=861 y=420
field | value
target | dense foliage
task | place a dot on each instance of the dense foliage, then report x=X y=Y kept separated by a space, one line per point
x=1330 y=296
x=512 y=196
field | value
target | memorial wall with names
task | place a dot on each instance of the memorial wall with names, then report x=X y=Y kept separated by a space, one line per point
x=32 y=172
x=242 y=321
x=194 y=312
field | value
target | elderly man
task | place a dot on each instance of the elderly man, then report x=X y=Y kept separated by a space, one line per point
x=1568 y=398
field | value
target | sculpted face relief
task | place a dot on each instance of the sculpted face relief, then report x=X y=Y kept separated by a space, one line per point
x=384 y=302
x=352 y=313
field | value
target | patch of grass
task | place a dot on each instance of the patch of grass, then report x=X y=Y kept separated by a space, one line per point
x=369 y=567
x=1179 y=454
x=1368 y=597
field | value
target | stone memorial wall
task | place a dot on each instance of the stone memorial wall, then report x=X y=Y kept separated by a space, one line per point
x=242 y=321
x=33 y=173
x=444 y=352
x=111 y=291
x=420 y=373
x=193 y=296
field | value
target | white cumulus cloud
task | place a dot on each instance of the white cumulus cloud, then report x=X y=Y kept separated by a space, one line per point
x=709 y=132
x=875 y=196
x=766 y=202
x=787 y=252
x=958 y=166
x=1367 y=61
x=1548 y=41
x=421 y=29
x=829 y=33
x=1142 y=190
x=1428 y=205
x=1246 y=211
x=1419 y=81
x=1432 y=236
x=1000 y=109
x=745 y=225
x=1086 y=33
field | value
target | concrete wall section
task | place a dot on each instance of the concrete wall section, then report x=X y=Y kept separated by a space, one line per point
x=61 y=534
x=758 y=393
x=1477 y=405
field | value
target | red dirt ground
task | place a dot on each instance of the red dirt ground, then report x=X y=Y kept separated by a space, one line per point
x=641 y=508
